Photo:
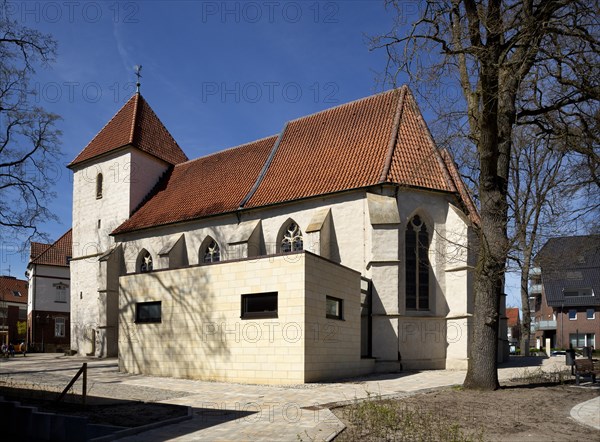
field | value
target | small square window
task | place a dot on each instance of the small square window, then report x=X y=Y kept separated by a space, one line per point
x=572 y=314
x=259 y=305
x=590 y=313
x=333 y=308
x=17 y=293
x=148 y=312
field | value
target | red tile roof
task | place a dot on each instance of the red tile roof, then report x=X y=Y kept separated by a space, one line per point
x=416 y=161
x=9 y=285
x=55 y=254
x=137 y=125
x=337 y=149
x=513 y=316
x=207 y=186
x=375 y=140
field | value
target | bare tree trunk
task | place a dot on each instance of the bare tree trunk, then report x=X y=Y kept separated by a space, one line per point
x=482 y=370
x=492 y=47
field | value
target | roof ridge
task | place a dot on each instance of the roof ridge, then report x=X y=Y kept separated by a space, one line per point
x=135 y=118
x=573 y=236
x=48 y=246
x=47 y=249
x=227 y=149
x=394 y=137
x=339 y=106
x=149 y=108
x=100 y=131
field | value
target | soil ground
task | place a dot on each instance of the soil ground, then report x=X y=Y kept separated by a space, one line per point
x=519 y=411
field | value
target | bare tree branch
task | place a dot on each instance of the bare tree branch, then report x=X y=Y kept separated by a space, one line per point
x=29 y=139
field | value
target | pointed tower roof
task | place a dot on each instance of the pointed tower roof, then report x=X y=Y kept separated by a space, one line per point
x=137 y=125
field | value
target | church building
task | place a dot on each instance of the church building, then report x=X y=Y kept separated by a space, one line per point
x=341 y=245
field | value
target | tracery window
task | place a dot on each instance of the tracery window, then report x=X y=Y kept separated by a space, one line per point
x=212 y=252
x=146 y=262
x=292 y=239
x=417 y=265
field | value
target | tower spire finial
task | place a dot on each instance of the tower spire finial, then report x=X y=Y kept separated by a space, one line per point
x=138 y=74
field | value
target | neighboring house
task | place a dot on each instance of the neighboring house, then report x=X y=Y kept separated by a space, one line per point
x=513 y=326
x=565 y=292
x=48 y=309
x=13 y=310
x=342 y=245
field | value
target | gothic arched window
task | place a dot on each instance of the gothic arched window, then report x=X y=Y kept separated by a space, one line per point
x=292 y=239
x=212 y=252
x=145 y=262
x=417 y=265
x=99 y=179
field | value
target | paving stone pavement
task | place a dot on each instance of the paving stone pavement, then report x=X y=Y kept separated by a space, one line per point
x=223 y=411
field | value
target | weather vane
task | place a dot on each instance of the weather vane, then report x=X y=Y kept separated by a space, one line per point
x=138 y=74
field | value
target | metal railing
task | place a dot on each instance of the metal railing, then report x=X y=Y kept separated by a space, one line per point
x=82 y=370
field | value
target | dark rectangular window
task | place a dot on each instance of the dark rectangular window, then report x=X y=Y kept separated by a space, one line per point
x=259 y=305
x=334 y=308
x=148 y=312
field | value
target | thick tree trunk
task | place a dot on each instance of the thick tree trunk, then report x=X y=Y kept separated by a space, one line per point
x=482 y=370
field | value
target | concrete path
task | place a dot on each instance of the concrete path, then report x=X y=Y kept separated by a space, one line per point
x=588 y=413
x=223 y=411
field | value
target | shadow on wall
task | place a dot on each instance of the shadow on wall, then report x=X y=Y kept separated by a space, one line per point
x=177 y=341
x=334 y=248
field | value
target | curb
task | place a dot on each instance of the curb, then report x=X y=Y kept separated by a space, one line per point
x=590 y=410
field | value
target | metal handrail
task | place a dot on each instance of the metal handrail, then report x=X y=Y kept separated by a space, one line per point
x=82 y=370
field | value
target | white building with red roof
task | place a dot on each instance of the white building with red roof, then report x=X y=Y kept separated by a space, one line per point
x=339 y=246
x=49 y=301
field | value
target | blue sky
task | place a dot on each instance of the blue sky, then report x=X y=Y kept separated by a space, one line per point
x=217 y=73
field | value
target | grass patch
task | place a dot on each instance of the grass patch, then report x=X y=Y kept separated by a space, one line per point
x=386 y=419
